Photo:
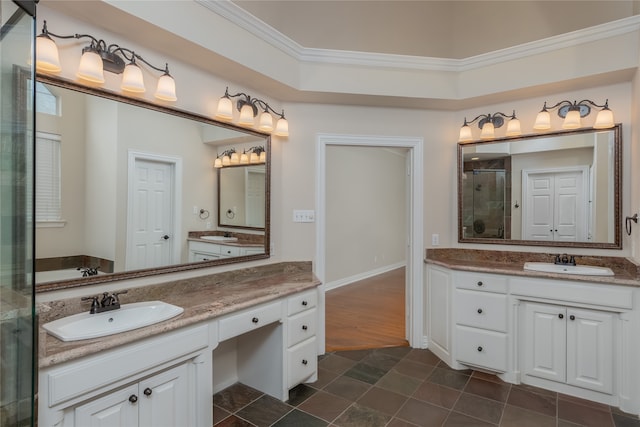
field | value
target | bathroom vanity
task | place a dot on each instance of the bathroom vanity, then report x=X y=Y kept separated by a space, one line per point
x=256 y=326
x=573 y=334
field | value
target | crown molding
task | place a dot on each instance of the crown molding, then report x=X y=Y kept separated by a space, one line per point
x=238 y=16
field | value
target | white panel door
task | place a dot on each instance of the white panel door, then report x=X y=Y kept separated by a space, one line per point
x=165 y=400
x=255 y=197
x=152 y=209
x=569 y=213
x=590 y=349
x=545 y=341
x=117 y=409
x=540 y=207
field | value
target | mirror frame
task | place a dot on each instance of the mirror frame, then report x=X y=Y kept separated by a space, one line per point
x=617 y=184
x=134 y=274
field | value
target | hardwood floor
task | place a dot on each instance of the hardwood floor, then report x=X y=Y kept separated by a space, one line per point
x=367 y=314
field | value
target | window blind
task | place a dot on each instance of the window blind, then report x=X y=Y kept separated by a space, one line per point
x=48 y=191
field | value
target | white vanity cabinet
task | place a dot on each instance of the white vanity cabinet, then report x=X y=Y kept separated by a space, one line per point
x=205 y=251
x=569 y=345
x=439 y=294
x=160 y=381
x=302 y=323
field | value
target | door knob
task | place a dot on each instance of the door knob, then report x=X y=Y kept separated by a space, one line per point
x=165 y=237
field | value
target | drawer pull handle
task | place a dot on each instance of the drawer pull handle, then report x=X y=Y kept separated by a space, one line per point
x=133 y=398
x=305 y=303
x=479 y=348
x=480 y=283
x=147 y=391
x=304 y=327
x=304 y=361
x=561 y=316
x=572 y=317
x=479 y=311
x=255 y=320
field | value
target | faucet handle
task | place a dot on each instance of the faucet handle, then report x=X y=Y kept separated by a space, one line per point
x=115 y=295
x=557 y=259
x=94 y=303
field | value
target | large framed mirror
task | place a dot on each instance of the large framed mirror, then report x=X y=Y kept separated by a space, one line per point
x=558 y=189
x=128 y=188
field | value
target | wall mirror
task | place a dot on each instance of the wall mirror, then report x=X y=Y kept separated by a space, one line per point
x=559 y=189
x=241 y=196
x=127 y=187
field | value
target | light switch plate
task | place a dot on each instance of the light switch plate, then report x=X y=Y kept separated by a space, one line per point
x=304 y=215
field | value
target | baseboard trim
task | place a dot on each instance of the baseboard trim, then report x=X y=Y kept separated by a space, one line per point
x=357 y=277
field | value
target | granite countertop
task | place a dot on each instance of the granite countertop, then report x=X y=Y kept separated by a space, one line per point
x=626 y=271
x=203 y=298
x=239 y=242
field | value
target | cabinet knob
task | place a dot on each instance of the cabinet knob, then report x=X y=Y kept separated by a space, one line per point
x=255 y=320
x=480 y=348
x=479 y=311
x=304 y=327
x=480 y=283
x=165 y=237
x=304 y=361
x=305 y=303
x=572 y=317
x=561 y=316
x=147 y=391
x=133 y=398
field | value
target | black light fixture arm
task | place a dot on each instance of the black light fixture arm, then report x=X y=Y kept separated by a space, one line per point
x=496 y=118
x=254 y=103
x=584 y=107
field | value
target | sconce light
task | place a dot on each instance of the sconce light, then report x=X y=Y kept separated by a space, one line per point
x=572 y=112
x=99 y=57
x=249 y=108
x=230 y=157
x=488 y=123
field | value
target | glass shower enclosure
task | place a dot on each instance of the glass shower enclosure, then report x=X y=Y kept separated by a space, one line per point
x=17 y=308
x=484 y=204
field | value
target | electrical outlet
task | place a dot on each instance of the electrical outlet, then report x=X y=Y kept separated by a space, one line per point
x=435 y=239
x=304 y=216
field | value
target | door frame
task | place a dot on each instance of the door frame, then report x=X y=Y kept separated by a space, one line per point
x=176 y=183
x=415 y=224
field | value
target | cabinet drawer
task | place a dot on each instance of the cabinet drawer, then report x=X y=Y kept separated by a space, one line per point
x=229 y=250
x=249 y=320
x=301 y=302
x=302 y=326
x=198 y=256
x=481 y=348
x=481 y=309
x=481 y=282
x=302 y=362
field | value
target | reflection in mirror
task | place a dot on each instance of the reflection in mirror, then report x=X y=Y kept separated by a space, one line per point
x=241 y=196
x=127 y=188
x=560 y=189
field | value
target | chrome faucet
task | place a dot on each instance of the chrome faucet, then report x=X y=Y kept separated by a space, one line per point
x=107 y=303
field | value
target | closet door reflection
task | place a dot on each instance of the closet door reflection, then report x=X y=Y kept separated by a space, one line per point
x=484 y=204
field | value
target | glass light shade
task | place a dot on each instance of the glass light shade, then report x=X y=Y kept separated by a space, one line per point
x=254 y=158
x=263 y=157
x=47 y=58
x=225 y=109
x=226 y=161
x=266 y=122
x=513 y=127
x=217 y=163
x=244 y=159
x=90 y=67
x=543 y=120
x=604 y=119
x=572 y=120
x=246 y=115
x=282 y=127
x=487 y=131
x=465 y=134
x=166 y=90
x=235 y=159
x=132 y=80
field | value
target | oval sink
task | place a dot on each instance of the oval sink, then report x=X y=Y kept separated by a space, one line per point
x=136 y=315
x=219 y=238
x=586 y=270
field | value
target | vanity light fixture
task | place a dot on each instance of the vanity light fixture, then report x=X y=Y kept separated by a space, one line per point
x=572 y=112
x=98 y=57
x=230 y=157
x=488 y=123
x=249 y=108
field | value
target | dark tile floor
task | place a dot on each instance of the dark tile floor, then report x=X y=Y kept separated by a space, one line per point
x=399 y=387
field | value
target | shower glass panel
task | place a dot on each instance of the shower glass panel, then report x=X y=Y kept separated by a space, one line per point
x=484 y=204
x=17 y=314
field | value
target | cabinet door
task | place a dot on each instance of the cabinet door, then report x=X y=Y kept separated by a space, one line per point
x=545 y=341
x=439 y=311
x=590 y=349
x=164 y=399
x=117 y=409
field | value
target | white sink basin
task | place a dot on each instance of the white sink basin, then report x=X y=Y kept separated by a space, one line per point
x=83 y=326
x=586 y=270
x=219 y=238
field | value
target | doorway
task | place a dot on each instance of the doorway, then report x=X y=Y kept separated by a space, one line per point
x=412 y=236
